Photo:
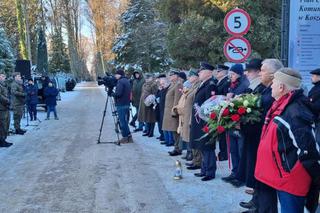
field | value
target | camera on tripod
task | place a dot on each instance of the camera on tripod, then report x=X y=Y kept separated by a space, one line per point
x=109 y=81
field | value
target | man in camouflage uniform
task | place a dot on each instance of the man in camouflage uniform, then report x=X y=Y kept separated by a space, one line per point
x=4 y=111
x=18 y=100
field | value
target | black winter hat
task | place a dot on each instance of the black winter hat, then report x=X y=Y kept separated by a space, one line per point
x=120 y=72
x=182 y=75
x=254 y=64
x=237 y=68
x=206 y=66
x=222 y=67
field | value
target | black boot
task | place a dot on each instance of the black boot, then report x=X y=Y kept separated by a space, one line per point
x=3 y=143
x=19 y=132
x=151 y=130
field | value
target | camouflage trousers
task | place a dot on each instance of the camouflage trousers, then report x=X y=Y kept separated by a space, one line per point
x=4 y=124
x=17 y=116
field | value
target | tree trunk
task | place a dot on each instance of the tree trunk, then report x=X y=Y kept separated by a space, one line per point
x=21 y=30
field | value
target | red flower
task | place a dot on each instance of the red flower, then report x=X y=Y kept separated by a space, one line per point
x=220 y=129
x=242 y=110
x=213 y=116
x=206 y=129
x=226 y=112
x=235 y=117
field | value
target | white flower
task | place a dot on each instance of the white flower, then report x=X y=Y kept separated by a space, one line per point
x=231 y=104
x=246 y=103
x=249 y=110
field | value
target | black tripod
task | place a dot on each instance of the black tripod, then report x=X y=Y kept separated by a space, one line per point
x=115 y=121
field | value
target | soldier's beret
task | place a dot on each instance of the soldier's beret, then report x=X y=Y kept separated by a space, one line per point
x=315 y=72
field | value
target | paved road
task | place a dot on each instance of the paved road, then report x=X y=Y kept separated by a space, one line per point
x=58 y=167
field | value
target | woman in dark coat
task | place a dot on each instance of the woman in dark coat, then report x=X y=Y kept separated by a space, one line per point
x=50 y=94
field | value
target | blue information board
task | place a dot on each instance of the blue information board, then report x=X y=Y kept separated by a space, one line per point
x=304 y=37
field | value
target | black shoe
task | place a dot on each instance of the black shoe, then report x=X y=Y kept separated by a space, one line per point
x=251 y=210
x=189 y=164
x=5 y=144
x=19 y=132
x=193 y=167
x=24 y=131
x=132 y=124
x=175 y=153
x=150 y=135
x=163 y=142
x=169 y=145
x=145 y=134
x=236 y=183
x=229 y=178
x=207 y=178
x=158 y=138
x=247 y=205
x=199 y=175
x=137 y=130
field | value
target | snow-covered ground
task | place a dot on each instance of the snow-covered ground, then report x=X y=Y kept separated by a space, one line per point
x=58 y=166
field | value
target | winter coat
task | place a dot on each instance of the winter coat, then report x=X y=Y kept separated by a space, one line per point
x=137 y=90
x=203 y=93
x=223 y=86
x=171 y=120
x=287 y=155
x=4 y=97
x=179 y=109
x=241 y=86
x=187 y=112
x=147 y=113
x=314 y=96
x=123 y=92
x=50 y=94
x=32 y=94
x=18 y=96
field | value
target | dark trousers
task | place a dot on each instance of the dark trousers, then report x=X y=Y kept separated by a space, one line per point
x=265 y=198
x=135 y=118
x=197 y=157
x=4 y=124
x=223 y=154
x=236 y=147
x=17 y=116
x=176 y=138
x=123 y=119
x=208 y=164
x=32 y=109
x=51 y=109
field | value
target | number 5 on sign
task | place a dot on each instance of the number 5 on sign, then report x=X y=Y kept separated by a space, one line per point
x=237 y=22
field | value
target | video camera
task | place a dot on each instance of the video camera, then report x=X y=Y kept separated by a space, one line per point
x=109 y=81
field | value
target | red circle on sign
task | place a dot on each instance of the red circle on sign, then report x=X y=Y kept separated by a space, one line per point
x=245 y=56
x=235 y=11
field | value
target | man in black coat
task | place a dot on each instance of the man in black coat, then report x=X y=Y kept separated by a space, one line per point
x=314 y=96
x=122 y=103
x=206 y=89
x=161 y=98
x=223 y=84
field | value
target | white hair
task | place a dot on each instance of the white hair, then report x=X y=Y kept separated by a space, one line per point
x=273 y=64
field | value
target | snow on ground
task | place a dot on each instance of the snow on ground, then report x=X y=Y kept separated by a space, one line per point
x=59 y=167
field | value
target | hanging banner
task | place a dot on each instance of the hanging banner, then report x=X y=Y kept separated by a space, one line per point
x=304 y=36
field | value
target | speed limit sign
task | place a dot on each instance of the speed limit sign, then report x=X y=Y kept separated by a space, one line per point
x=237 y=22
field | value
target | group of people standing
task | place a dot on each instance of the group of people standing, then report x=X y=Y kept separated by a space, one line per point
x=276 y=158
x=15 y=95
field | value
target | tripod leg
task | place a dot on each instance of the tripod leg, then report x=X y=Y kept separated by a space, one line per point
x=102 y=122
